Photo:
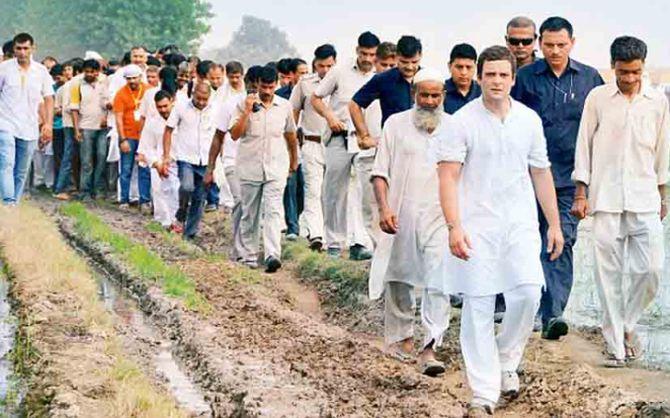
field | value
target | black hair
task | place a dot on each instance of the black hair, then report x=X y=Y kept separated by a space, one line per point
x=8 y=48
x=627 y=49
x=556 y=24
x=174 y=59
x=386 y=50
x=168 y=76
x=163 y=94
x=56 y=70
x=325 y=51
x=368 y=40
x=496 y=53
x=465 y=51
x=268 y=75
x=151 y=60
x=253 y=74
x=126 y=58
x=295 y=63
x=284 y=65
x=169 y=49
x=234 y=67
x=272 y=64
x=22 y=38
x=92 y=64
x=408 y=46
x=203 y=68
x=113 y=61
x=77 y=65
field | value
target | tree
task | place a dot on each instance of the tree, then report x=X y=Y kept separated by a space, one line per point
x=256 y=41
x=111 y=27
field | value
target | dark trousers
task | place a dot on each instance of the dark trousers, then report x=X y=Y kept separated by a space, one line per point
x=558 y=274
x=192 y=196
x=213 y=194
x=294 y=200
x=58 y=144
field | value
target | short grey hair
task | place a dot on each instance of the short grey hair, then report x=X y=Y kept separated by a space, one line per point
x=521 y=22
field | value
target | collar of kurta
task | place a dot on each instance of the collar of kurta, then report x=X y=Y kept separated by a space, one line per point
x=209 y=104
x=274 y=101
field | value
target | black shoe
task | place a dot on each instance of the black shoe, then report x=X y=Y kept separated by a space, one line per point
x=316 y=244
x=555 y=329
x=456 y=301
x=359 y=253
x=272 y=264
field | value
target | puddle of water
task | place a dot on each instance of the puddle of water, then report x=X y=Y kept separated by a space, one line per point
x=188 y=396
x=584 y=306
x=11 y=393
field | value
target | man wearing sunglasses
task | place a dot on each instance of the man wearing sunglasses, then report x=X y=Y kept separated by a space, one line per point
x=555 y=87
x=521 y=39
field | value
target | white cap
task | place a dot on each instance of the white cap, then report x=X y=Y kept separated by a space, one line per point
x=92 y=55
x=132 y=70
x=428 y=74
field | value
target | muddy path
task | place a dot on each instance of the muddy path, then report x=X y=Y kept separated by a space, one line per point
x=269 y=341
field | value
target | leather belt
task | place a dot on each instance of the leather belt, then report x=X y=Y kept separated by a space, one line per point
x=313 y=138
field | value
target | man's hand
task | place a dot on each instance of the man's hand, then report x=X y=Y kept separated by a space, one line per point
x=293 y=167
x=77 y=135
x=249 y=102
x=124 y=146
x=209 y=178
x=388 y=221
x=46 y=133
x=580 y=207
x=459 y=243
x=367 y=142
x=555 y=242
x=336 y=125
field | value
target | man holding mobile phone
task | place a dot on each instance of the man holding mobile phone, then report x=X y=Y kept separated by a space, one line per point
x=268 y=153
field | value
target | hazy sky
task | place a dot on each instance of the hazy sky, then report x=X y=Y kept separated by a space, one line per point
x=440 y=24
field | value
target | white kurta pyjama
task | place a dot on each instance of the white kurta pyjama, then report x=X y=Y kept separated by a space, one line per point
x=164 y=191
x=410 y=258
x=499 y=214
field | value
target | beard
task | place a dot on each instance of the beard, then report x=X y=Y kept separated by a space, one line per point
x=426 y=119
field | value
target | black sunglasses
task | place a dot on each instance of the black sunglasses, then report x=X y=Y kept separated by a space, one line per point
x=520 y=41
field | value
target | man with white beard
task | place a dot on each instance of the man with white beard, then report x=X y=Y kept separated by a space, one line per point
x=492 y=166
x=409 y=253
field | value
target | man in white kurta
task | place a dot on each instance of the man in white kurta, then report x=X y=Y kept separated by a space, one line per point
x=415 y=235
x=491 y=160
x=164 y=179
x=622 y=154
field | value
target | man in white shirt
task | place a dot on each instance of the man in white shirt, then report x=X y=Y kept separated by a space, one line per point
x=267 y=155
x=492 y=165
x=164 y=179
x=339 y=85
x=411 y=249
x=194 y=122
x=222 y=140
x=622 y=157
x=313 y=127
x=24 y=83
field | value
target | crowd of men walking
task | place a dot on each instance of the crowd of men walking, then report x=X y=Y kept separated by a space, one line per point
x=468 y=189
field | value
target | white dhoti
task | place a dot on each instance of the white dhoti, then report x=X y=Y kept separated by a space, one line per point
x=637 y=238
x=165 y=196
x=486 y=355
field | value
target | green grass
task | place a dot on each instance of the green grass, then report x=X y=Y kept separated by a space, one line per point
x=173 y=239
x=346 y=281
x=147 y=265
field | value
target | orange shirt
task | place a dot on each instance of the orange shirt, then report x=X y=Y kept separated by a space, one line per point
x=128 y=102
